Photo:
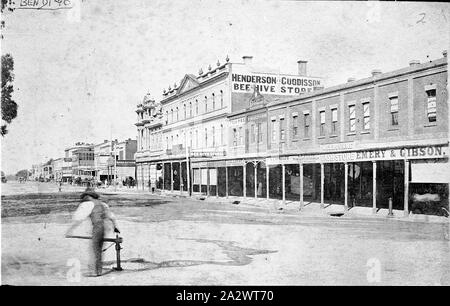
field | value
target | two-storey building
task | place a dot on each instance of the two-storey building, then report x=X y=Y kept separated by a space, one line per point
x=364 y=143
x=190 y=125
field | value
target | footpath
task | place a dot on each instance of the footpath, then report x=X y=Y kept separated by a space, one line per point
x=309 y=208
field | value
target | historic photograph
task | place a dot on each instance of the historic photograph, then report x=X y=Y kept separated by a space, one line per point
x=224 y=143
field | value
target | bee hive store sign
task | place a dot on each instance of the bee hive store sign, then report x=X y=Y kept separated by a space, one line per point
x=274 y=84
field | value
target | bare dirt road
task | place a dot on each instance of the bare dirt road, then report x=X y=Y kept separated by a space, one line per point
x=177 y=241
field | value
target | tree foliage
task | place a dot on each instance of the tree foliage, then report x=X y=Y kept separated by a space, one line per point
x=23 y=173
x=9 y=106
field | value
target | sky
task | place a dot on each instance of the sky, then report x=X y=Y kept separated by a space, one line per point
x=79 y=73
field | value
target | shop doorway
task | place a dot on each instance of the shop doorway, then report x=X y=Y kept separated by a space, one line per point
x=334 y=183
x=360 y=184
x=311 y=182
x=390 y=183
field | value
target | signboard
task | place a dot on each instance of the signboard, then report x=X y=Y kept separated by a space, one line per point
x=204 y=176
x=178 y=149
x=281 y=160
x=337 y=146
x=238 y=121
x=196 y=173
x=212 y=177
x=234 y=163
x=153 y=174
x=214 y=164
x=382 y=154
x=207 y=154
x=275 y=84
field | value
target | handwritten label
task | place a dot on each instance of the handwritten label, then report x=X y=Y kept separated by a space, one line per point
x=45 y=4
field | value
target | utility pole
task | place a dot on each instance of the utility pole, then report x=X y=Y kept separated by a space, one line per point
x=115 y=168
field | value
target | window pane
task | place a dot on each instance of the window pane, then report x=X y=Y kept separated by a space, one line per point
x=334 y=115
x=395 y=118
x=394 y=105
x=366 y=109
x=322 y=117
x=366 y=123
x=352 y=125
x=352 y=112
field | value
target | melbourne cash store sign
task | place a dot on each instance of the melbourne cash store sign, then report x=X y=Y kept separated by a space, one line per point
x=275 y=84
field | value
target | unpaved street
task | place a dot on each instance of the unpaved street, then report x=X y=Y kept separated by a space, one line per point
x=170 y=241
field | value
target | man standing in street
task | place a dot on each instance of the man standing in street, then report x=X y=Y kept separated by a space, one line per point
x=99 y=213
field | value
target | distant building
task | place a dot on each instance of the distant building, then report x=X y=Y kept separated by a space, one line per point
x=81 y=157
x=124 y=152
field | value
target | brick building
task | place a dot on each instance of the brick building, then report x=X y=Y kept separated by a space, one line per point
x=190 y=124
x=363 y=143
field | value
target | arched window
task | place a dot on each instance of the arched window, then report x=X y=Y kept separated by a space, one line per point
x=184 y=111
x=206 y=104
x=171 y=115
x=213 y=137
x=221 y=134
x=177 y=113
x=190 y=139
x=196 y=107
x=206 y=138
x=167 y=117
x=213 y=102
x=221 y=99
x=190 y=109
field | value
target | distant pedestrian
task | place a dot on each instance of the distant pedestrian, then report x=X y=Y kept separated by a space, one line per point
x=91 y=207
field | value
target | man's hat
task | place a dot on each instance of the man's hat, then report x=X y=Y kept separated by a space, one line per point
x=89 y=192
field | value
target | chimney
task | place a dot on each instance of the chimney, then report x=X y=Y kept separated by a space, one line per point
x=414 y=63
x=351 y=80
x=302 y=67
x=444 y=53
x=376 y=72
x=247 y=59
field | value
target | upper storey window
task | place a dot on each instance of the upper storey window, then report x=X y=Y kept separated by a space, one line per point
x=431 y=103
x=334 y=121
x=322 y=123
x=366 y=118
x=394 y=110
x=352 y=118
x=295 y=125
x=307 y=123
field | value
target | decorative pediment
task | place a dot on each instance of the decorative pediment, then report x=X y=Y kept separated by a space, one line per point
x=189 y=81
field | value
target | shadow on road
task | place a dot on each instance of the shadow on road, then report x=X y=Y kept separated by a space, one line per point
x=238 y=256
